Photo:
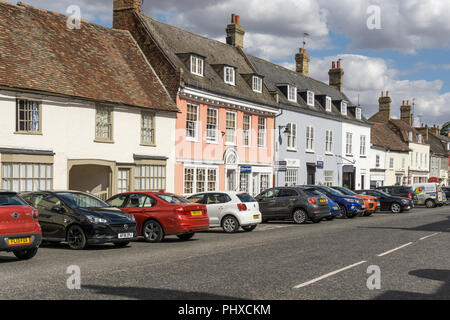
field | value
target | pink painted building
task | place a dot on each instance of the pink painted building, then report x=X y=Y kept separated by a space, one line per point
x=225 y=127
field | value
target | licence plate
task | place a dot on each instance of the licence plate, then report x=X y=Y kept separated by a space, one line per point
x=19 y=241
x=323 y=200
x=335 y=208
x=256 y=216
x=196 y=213
x=125 y=235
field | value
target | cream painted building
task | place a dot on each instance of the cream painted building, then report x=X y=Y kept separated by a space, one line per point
x=76 y=119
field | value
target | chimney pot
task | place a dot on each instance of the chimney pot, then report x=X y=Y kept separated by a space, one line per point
x=339 y=64
x=333 y=65
x=238 y=20
x=235 y=33
x=387 y=93
x=382 y=93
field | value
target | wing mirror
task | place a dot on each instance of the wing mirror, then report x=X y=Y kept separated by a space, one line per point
x=58 y=209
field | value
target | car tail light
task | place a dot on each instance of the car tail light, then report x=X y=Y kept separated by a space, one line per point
x=242 y=207
x=312 y=200
x=35 y=214
x=409 y=196
x=183 y=212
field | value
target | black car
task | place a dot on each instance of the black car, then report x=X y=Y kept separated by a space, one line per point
x=401 y=191
x=296 y=203
x=389 y=202
x=80 y=219
x=446 y=190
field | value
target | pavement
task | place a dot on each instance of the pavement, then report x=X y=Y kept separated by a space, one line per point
x=279 y=260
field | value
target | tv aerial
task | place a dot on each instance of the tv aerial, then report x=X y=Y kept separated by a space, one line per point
x=305 y=36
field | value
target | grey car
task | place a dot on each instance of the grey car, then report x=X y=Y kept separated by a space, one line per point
x=293 y=203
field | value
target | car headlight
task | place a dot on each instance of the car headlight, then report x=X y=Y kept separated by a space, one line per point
x=93 y=219
x=405 y=201
x=132 y=218
x=349 y=200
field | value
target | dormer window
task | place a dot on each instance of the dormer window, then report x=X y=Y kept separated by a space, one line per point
x=197 y=65
x=229 y=75
x=328 y=104
x=257 y=84
x=292 y=94
x=358 y=113
x=410 y=136
x=310 y=98
x=419 y=138
x=344 y=108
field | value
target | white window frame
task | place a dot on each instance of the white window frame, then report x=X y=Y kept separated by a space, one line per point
x=197 y=65
x=362 y=147
x=195 y=137
x=328 y=104
x=344 y=107
x=329 y=142
x=292 y=93
x=292 y=137
x=358 y=114
x=229 y=75
x=349 y=143
x=410 y=136
x=257 y=84
x=310 y=139
x=18 y=176
x=227 y=132
x=377 y=161
x=206 y=181
x=262 y=133
x=209 y=137
x=247 y=133
x=155 y=180
x=391 y=162
x=310 y=98
x=328 y=178
x=148 y=128
x=291 y=177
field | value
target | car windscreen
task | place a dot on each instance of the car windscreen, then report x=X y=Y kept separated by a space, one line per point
x=245 y=197
x=313 y=193
x=334 y=192
x=171 y=198
x=11 y=200
x=81 y=200
x=346 y=191
x=383 y=193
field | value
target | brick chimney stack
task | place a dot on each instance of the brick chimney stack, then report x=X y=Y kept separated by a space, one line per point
x=405 y=112
x=123 y=11
x=302 y=62
x=436 y=130
x=384 y=103
x=336 y=75
x=235 y=32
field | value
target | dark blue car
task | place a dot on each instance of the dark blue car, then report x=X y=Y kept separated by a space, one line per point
x=350 y=206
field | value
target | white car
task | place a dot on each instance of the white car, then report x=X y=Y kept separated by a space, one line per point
x=230 y=210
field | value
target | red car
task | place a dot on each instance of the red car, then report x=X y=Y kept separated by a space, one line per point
x=160 y=214
x=20 y=231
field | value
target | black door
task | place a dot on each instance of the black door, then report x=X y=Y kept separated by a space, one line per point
x=284 y=202
x=268 y=203
x=311 y=174
x=52 y=216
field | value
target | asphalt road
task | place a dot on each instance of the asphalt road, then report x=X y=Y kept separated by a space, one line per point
x=328 y=260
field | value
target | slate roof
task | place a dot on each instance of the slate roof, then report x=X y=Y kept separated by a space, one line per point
x=436 y=144
x=275 y=75
x=382 y=136
x=39 y=53
x=176 y=42
x=402 y=128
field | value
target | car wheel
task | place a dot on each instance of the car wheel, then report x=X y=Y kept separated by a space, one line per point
x=152 y=231
x=344 y=212
x=430 y=203
x=249 y=228
x=368 y=214
x=299 y=216
x=76 y=238
x=331 y=218
x=396 y=208
x=26 y=254
x=121 y=244
x=186 y=236
x=230 y=224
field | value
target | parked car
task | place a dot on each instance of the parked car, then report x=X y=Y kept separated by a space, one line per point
x=230 y=210
x=297 y=203
x=371 y=204
x=160 y=214
x=335 y=210
x=388 y=202
x=80 y=219
x=350 y=206
x=20 y=232
x=401 y=191
x=428 y=194
x=447 y=193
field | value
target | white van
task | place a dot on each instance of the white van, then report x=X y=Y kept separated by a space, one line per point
x=429 y=194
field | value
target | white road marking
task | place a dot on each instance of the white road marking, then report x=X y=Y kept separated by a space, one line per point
x=398 y=248
x=328 y=275
x=431 y=235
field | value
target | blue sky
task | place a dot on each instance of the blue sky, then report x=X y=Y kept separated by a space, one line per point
x=407 y=55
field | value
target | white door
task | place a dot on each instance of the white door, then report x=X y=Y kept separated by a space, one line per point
x=123 y=180
x=231 y=180
x=215 y=208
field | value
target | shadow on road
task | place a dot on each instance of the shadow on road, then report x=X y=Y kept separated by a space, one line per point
x=443 y=293
x=154 y=294
x=440 y=226
x=6 y=259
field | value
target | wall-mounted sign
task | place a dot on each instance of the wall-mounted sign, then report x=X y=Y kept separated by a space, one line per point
x=433 y=179
x=281 y=166
x=319 y=165
x=246 y=169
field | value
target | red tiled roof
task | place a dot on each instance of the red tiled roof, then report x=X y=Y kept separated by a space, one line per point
x=382 y=136
x=39 y=52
